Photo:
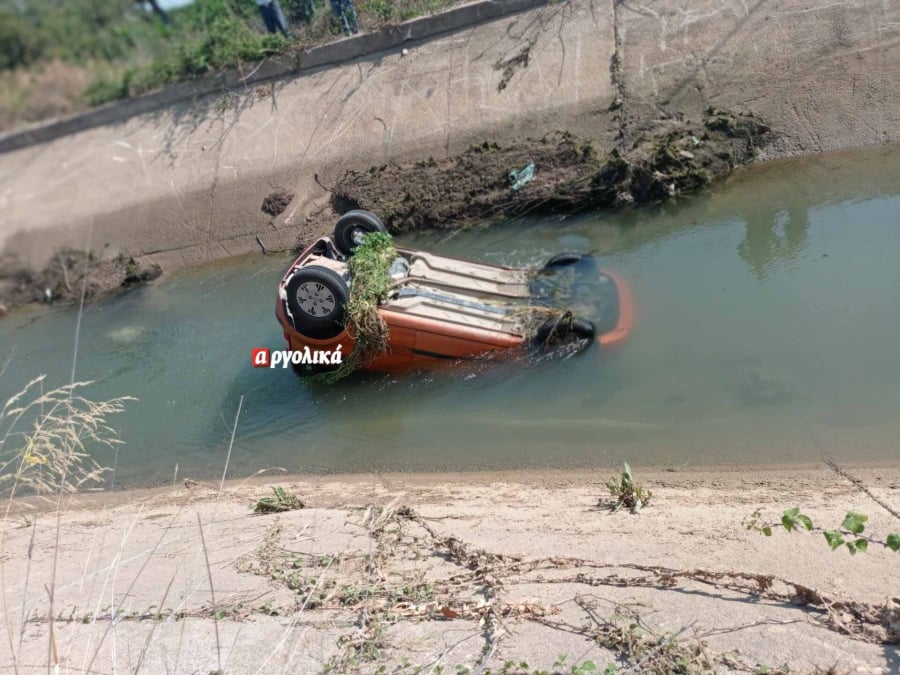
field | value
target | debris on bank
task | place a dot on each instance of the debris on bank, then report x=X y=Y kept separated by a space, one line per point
x=276 y=202
x=282 y=501
x=569 y=174
x=68 y=273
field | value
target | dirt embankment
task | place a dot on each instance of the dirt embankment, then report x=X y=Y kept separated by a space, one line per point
x=562 y=174
x=68 y=275
x=570 y=174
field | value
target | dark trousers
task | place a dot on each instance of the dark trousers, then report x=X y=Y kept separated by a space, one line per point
x=274 y=18
x=346 y=14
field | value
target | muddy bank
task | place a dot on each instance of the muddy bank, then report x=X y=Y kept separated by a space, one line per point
x=460 y=572
x=69 y=274
x=559 y=173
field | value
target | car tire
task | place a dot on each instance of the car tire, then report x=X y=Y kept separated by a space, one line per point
x=316 y=297
x=565 y=258
x=559 y=328
x=351 y=226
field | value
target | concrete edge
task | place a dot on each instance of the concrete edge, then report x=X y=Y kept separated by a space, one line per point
x=340 y=51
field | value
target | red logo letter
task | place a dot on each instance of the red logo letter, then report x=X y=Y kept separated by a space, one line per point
x=260 y=357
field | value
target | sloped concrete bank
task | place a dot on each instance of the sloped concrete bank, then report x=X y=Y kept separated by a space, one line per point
x=184 y=184
x=456 y=573
x=281 y=65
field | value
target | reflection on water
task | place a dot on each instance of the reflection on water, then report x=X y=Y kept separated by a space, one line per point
x=768 y=314
x=773 y=238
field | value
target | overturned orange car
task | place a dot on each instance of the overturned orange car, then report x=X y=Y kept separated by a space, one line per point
x=440 y=309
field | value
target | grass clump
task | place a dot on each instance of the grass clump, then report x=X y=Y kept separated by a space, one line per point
x=627 y=493
x=370 y=281
x=44 y=438
x=282 y=501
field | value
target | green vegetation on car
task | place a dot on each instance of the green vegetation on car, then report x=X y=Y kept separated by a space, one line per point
x=370 y=280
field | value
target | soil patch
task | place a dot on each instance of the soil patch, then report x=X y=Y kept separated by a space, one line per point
x=276 y=202
x=570 y=175
x=66 y=274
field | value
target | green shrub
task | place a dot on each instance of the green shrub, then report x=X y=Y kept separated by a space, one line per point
x=129 y=51
x=19 y=44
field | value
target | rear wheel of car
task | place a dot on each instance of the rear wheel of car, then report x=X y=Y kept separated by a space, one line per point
x=352 y=227
x=560 y=329
x=564 y=258
x=316 y=297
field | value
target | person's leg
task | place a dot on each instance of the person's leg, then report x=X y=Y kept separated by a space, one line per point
x=350 y=16
x=309 y=9
x=268 y=17
x=281 y=19
x=337 y=9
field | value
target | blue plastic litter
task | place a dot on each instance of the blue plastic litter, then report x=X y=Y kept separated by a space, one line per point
x=519 y=178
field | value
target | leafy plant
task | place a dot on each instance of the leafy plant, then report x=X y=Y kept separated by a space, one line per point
x=370 y=281
x=849 y=534
x=576 y=668
x=282 y=501
x=627 y=493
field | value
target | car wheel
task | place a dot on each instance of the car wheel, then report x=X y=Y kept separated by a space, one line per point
x=352 y=227
x=316 y=297
x=565 y=258
x=559 y=329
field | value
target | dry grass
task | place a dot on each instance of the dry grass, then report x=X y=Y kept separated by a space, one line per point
x=221 y=40
x=44 y=438
x=44 y=448
x=53 y=89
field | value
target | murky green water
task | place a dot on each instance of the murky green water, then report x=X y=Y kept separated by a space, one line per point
x=768 y=330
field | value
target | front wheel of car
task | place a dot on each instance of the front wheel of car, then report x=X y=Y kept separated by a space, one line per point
x=316 y=297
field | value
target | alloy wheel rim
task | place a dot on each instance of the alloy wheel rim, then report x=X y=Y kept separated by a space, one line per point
x=315 y=299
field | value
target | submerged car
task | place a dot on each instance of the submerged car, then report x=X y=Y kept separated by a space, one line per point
x=439 y=308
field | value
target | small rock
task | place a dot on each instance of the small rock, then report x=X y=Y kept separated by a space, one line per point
x=404 y=52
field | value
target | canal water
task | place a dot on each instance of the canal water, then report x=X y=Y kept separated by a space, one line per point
x=767 y=331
